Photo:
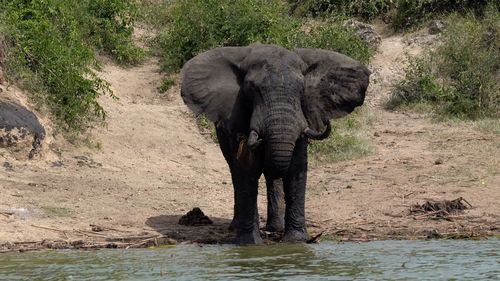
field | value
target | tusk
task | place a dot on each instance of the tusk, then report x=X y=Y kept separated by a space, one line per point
x=253 y=140
x=315 y=135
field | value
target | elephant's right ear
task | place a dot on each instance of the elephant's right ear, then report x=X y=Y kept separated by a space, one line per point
x=211 y=81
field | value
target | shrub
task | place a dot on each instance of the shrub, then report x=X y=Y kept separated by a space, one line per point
x=50 y=52
x=47 y=55
x=216 y=23
x=333 y=35
x=166 y=84
x=346 y=142
x=108 y=25
x=460 y=76
x=410 y=13
x=364 y=9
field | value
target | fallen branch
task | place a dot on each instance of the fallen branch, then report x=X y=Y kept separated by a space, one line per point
x=7 y=214
x=48 y=228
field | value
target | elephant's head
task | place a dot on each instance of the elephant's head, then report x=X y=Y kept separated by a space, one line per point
x=274 y=95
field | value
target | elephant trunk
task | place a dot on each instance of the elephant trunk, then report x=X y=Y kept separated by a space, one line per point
x=282 y=132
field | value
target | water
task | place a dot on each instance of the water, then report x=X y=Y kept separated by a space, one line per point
x=384 y=260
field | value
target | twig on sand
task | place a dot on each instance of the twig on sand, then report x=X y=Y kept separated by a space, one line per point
x=6 y=214
x=107 y=228
x=91 y=234
x=125 y=238
x=48 y=228
x=438 y=212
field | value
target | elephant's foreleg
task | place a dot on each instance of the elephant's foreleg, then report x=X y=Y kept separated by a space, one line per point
x=275 y=205
x=295 y=188
x=246 y=188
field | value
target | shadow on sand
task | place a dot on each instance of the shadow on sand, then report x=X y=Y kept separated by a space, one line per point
x=216 y=233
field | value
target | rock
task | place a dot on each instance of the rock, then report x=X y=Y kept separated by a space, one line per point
x=8 y=166
x=195 y=217
x=365 y=31
x=96 y=228
x=433 y=234
x=435 y=26
x=20 y=129
x=438 y=161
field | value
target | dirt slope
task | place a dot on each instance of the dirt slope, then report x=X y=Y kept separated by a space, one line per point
x=152 y=166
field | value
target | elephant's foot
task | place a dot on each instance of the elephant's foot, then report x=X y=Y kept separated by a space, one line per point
x=248 y=238
x=295 y=236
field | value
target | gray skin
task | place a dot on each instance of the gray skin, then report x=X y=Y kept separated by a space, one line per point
x=266 y=103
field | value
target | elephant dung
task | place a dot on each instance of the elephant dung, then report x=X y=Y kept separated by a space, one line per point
x=195 y=217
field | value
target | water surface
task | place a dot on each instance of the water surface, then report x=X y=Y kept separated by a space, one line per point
x=384 y=260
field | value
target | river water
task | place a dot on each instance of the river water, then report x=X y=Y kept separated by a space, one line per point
x=380 y=260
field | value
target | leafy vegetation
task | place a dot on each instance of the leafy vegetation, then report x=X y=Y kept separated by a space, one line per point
x=206 y=127
x=458 y=78
x=166 y=84
x=108 y=25
x=365 y=9
x=346 y=142
x=401 y=14
x=49 y=49
x=410 y=13
x=216 y=23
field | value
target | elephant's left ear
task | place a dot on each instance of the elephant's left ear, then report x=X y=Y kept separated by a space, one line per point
x=335 y=84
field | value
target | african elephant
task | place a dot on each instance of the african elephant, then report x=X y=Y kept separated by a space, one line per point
x=266 y=103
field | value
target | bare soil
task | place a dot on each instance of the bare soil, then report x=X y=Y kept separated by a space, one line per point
x=150 y=165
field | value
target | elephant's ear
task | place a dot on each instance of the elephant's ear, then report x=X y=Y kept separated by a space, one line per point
x=335 y=84
x=211 y=81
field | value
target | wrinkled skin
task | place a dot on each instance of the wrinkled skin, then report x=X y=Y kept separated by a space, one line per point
x=266 y=103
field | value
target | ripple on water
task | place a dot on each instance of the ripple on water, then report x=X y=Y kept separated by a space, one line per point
x=396 y=260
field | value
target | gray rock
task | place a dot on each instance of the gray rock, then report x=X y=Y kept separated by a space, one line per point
x=20 y=129
x=365 y=31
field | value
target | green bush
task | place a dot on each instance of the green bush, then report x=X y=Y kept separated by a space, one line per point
x=346 y=142
x=50 y=48
x=108 y=25
x=460 y=76
x=216 y=23
x=410 y=13
x=166 y=84
x=364 y=9
x=334 y=36
x=47 y=54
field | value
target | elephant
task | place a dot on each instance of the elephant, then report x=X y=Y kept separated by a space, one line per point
x=267 y=103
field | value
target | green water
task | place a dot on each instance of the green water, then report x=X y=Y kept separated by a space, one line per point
x=384 y=260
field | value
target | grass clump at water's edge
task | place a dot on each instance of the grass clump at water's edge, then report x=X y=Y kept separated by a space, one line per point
x=459 y=78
